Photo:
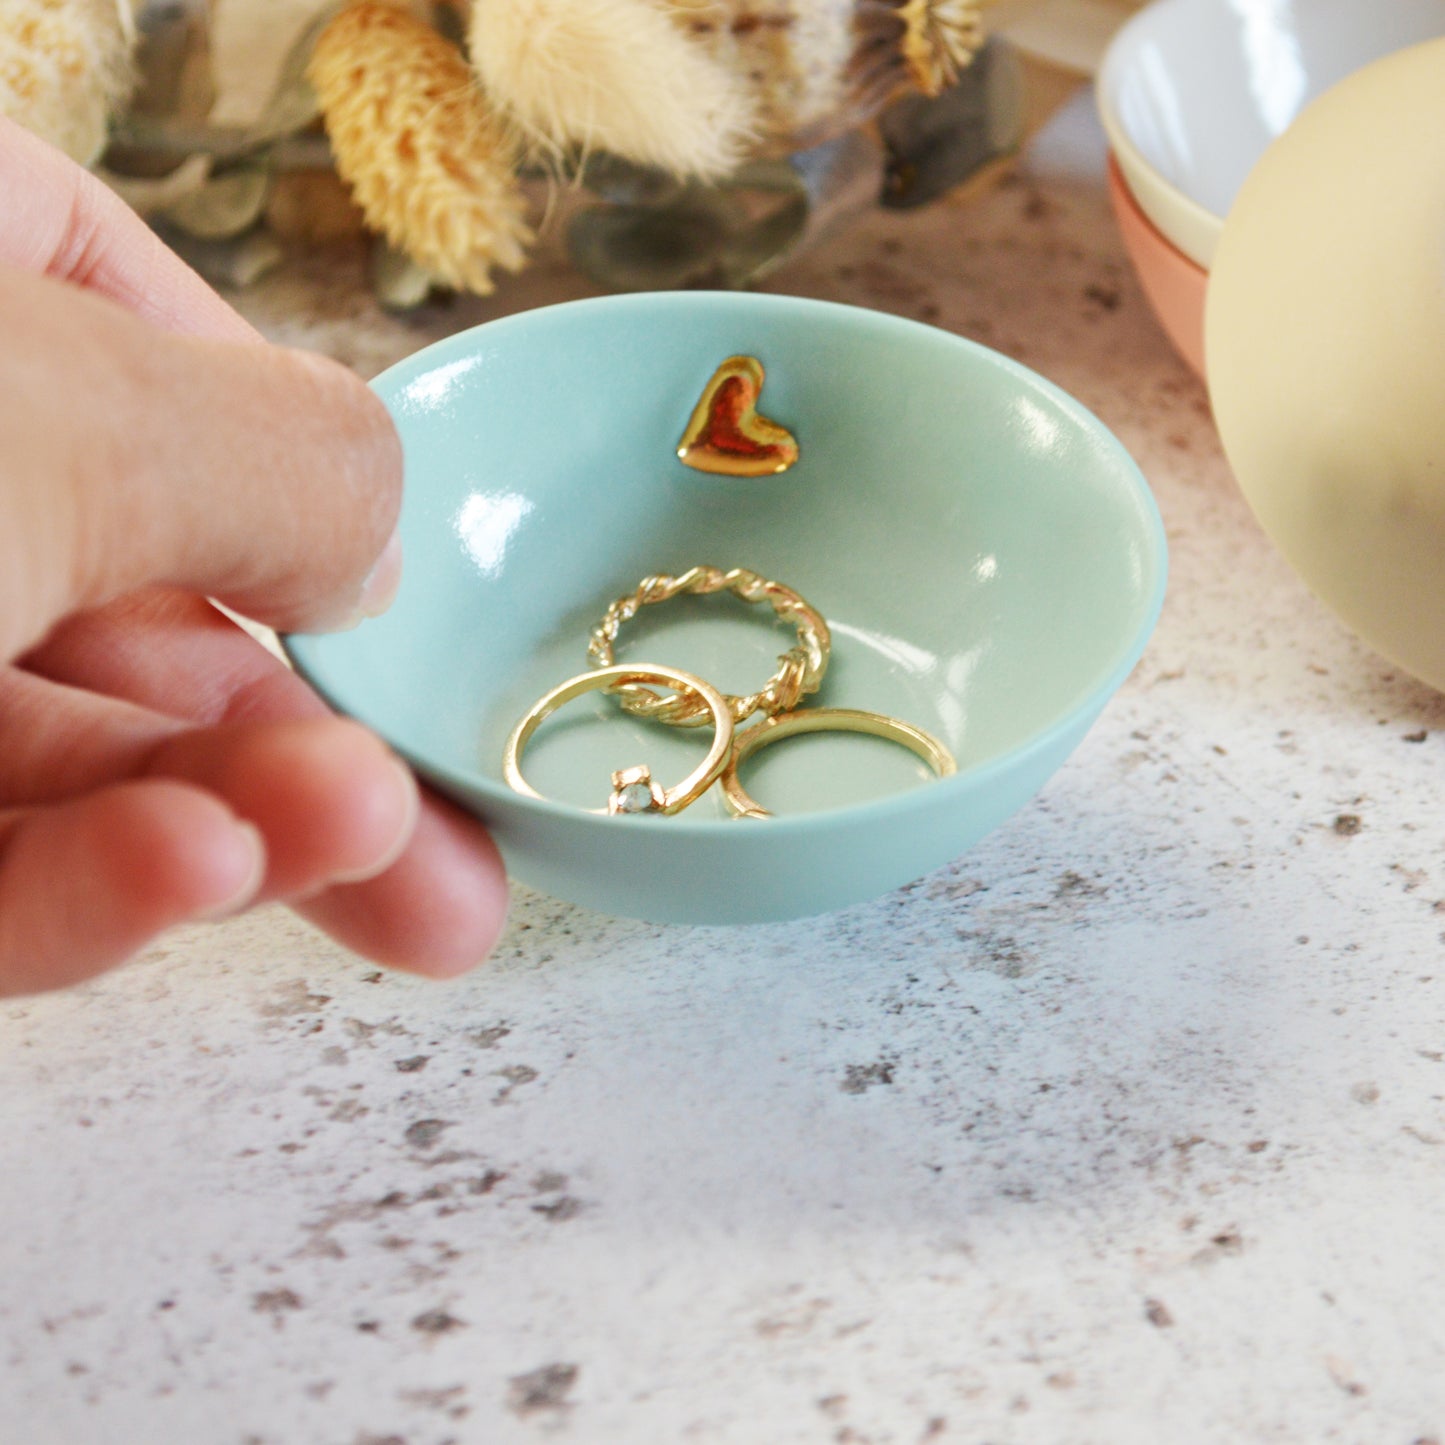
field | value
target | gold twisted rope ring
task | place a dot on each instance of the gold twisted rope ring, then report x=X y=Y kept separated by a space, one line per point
x=800 y=668
x=821 y=720
x=633 y=789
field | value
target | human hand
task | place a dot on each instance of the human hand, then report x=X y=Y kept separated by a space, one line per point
x=157 y=764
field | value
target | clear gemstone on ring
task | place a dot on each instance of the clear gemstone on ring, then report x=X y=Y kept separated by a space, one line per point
x=634 y=798
x=633 y=791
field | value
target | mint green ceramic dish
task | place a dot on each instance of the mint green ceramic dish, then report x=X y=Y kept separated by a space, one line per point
x=988 y=556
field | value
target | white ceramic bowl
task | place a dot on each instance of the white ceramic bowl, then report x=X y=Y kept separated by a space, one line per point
x=1191 y=92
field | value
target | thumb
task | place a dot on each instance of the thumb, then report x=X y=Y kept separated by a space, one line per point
x=267 y=478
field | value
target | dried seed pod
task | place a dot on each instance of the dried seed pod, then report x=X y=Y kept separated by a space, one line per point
x=429 y=163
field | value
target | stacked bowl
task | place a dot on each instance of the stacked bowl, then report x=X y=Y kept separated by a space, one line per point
x=1192 y=92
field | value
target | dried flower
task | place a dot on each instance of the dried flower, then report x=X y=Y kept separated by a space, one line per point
x=940 y=37
x=612 y=75
x=813 y=69
x=63 y=65
x=429 y=164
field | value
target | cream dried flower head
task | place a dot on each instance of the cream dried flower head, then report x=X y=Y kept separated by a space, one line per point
x=612 y=75
x=64 y=64
x=429 y=164
x=696 y=86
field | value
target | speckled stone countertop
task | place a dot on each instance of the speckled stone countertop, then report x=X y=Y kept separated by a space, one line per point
x=1128 y=1126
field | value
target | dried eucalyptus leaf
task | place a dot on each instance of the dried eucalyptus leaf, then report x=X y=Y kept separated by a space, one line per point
x=239 y=262
x=731 y=234
x=625 y=183
x=707 y=236
x=224 y=207
x=150 y=195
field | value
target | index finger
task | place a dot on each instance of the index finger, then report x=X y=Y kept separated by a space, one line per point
x=64 y=223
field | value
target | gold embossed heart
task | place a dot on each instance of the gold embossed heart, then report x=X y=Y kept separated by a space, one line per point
x=727 y=435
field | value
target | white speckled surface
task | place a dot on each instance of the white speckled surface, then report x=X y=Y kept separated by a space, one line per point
x=1127 y=1127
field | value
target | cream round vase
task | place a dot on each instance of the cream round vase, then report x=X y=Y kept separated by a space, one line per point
x=1325 y=350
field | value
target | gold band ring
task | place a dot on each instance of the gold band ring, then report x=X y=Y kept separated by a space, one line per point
x=800 y=668
x=823 y=720
x=633 y=789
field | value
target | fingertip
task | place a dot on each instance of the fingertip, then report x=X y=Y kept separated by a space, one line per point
x=375 y=596
x=176 y=853
x=439 y=911
x=392 y=824
x=364 y=459
x=365 y=435
x=469 y=912
x=383 y=582
x=85 y=885
x=473 y=941
x=307 y=455
x=331 y=800
x=241 y=859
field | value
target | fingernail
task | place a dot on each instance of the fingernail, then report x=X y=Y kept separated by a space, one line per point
x=250 y=839
x=378 y=592
x=411 y=811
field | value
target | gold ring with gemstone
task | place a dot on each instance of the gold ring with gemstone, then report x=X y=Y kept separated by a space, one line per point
x=820 y=720
x=633 y=789
x=800 y=668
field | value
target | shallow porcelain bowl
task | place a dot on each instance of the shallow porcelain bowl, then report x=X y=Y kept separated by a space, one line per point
x=1191 y=92
x=988 y=556
x=1172 y=284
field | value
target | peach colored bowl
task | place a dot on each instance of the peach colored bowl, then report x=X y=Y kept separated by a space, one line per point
x=1173 y=284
